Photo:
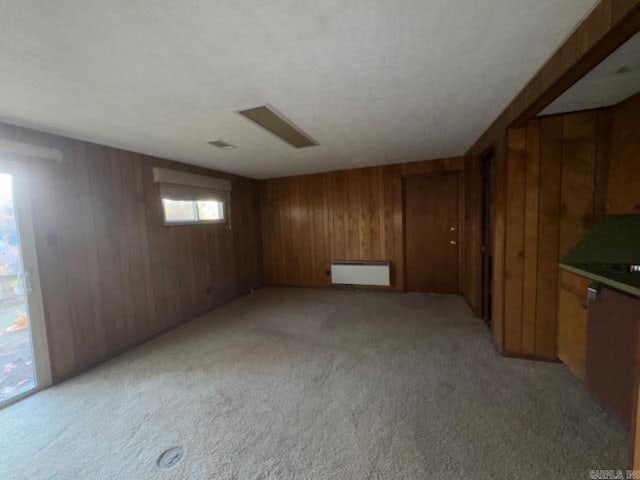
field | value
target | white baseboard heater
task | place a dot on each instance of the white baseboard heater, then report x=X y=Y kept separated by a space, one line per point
x=371 y=273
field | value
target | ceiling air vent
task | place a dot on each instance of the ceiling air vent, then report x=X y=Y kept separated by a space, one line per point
x=222 y=145
x=275 y=123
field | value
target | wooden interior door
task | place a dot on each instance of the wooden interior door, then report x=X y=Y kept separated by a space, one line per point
x=431 y=233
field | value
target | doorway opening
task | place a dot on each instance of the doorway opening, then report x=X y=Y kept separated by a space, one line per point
x=24 y=360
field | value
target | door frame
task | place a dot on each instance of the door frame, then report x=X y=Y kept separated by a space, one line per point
x=460 y=222
x=29 y=254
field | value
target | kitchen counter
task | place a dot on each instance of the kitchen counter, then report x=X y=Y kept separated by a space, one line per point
x=613 y=241
x=624 y=282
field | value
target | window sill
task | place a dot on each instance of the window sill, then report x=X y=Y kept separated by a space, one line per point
x=190 y=224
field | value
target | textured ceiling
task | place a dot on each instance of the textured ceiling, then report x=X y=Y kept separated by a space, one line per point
x=373 y=81
x=614 y=80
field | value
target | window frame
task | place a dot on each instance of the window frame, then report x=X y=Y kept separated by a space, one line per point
x=174 y=223
x=189 y=187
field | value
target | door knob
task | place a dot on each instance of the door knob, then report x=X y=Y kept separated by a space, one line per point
x=453 y=242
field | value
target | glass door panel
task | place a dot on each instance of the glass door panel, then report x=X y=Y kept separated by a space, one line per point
x=18 y=366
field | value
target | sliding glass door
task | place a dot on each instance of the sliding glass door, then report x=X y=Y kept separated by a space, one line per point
x=24 y=357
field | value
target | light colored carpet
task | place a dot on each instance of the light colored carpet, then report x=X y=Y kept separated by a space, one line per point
x=316 y=384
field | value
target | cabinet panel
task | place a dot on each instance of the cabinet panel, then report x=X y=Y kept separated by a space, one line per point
x=613 y=341
x=574 y=283
x=572 y=329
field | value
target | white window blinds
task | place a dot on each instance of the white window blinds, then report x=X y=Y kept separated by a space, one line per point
x=24 y=149
x=189 y=199
x=188 y=186
x=169 y=191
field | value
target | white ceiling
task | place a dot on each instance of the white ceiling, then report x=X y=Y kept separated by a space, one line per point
x=373 y=81
x=614 y=80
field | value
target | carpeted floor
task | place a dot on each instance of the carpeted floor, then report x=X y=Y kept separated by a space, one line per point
x=316 y=384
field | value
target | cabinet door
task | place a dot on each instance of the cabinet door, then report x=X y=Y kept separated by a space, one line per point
x=572 y=331
x=572 y=322
x=612 y=345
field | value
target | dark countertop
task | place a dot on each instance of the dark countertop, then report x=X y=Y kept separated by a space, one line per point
x=625 y=282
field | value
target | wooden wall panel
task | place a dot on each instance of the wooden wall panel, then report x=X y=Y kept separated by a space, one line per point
x=579 y=167
x=531 y=235
x=608 y=26
x=603 y=167
x=553 y=186
x=499 y=243
x=620 y=8
x=112 y=275
x=310 y=220
x=623 y=180
x=473 y=230
x=551 y=133
x=578 y=178
x=514 y=248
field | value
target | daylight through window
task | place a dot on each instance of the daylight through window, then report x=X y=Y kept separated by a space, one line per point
x=188 y=198
x=192 y=211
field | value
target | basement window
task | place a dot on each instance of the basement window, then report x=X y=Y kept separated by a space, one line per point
x=177 y=212
x=189 y=199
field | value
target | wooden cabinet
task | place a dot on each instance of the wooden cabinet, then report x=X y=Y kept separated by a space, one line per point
x=600 y=342
x=613 y=351
x=572 y=322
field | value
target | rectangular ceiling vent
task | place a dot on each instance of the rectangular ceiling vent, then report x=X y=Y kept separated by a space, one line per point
x=275 y=123
x=222 y=145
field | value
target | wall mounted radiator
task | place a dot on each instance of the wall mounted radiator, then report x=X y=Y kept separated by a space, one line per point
x=361 y=273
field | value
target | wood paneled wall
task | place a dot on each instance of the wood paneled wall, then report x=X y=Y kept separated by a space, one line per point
x=563 y=172
x=608 y=26
x=551 y=203
x=310 y=220
x=112 y=275
x=473 y=231
x=621 y=180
